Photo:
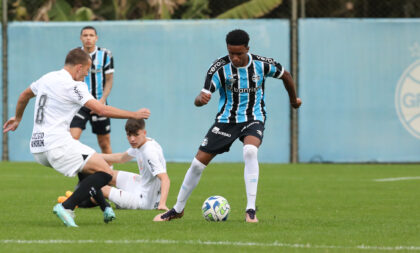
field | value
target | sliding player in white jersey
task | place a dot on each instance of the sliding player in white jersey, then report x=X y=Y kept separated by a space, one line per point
x=147 y=190
x=59 y=95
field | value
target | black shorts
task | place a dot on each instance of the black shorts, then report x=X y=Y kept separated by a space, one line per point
x=100 y=125
x=221 y=135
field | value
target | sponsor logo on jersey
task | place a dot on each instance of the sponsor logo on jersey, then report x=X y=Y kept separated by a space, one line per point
x=77 y=92
x=151 y=165
x=216 y=66
x=256 y=78
x=37 y=140
x=265 y=59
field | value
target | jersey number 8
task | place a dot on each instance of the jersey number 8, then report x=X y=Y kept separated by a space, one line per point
x=40 y=112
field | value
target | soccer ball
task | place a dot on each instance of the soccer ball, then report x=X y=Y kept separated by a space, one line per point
x=215 y=208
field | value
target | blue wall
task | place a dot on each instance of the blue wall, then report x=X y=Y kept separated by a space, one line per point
x=359 y=82
x=160 y=65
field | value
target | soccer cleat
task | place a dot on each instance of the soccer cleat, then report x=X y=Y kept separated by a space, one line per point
x=250 y=216
x=169 y=215
x=65 y=215
x=109 y=214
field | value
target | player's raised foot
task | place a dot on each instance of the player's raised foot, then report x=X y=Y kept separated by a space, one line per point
x=250 y=216
x=65 y=215
x=109 y=214
x=169 y=215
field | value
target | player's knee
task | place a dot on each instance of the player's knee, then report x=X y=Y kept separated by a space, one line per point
x=250 y=152
x=197 y=167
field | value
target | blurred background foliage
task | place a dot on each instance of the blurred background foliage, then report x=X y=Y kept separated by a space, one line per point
x=84 y=10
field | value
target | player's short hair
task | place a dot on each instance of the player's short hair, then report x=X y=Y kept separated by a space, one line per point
x=77 y=56
x=88 y=27
x=134 y=125
x=237 y=37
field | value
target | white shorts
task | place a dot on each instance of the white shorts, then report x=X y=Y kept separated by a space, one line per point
x=68 y=159
x=128 y=194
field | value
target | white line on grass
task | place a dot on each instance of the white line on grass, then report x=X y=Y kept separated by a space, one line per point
x=395 y=179
x=199 y=242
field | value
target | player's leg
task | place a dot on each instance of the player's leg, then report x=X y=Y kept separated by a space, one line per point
x=76 y=132
x=251 y=137
x=218 y=140
x=99 y=175
x=251 y=175
x=101 y=126
x=78 y=123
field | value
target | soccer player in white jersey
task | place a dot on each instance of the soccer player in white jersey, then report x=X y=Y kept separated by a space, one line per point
x=59 y=95
x=147 y=190
x=240 y=78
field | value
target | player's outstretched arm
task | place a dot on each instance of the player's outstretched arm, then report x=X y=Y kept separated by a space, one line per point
x=289 y=84
x=116 y=157
x=113 y=112
x=13 y=123
x=202 y=99
x=164 y=190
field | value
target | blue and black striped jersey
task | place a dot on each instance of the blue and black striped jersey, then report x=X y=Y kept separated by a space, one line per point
x=102 y=64
x=241 y=89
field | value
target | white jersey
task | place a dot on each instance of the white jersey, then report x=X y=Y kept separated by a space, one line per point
x=151 y=162
x=58 y=98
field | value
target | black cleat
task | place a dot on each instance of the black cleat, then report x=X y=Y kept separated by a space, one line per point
x=169 y=215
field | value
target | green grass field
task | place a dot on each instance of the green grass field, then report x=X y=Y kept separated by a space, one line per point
x=301 y=208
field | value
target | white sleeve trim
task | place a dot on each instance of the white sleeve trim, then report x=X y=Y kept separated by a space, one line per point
x=206 y=91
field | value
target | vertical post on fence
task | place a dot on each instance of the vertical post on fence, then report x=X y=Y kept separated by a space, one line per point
x=5 y=147
x=294 y=156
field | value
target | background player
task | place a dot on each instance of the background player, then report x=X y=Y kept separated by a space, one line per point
x=59 y=95
x=99 y=82
x=240 y=79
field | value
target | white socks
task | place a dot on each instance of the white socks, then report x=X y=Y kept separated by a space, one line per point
x=190 y=182
x=251 y=173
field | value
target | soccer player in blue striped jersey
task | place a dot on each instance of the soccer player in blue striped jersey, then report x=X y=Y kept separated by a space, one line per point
x=240 y=78
x=99 y=82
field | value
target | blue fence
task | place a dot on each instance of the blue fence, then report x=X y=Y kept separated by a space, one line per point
x=359 y=80
x=159 y=65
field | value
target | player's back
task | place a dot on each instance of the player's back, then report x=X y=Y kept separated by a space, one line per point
x=58 y=98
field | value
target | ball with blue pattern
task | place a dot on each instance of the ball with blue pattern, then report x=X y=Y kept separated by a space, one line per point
x=215 y=208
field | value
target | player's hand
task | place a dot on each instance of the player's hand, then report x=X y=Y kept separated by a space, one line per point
x=205 y=98
x=163 y=207
x=143 y=113
x=297 y=104
x=11 y=125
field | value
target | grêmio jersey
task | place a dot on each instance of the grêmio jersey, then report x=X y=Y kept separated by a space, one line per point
x=58 y=98
x=102 y=64
x=241 y=89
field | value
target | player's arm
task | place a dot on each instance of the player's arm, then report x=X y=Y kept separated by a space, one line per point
x=13 y=123
x=203 y=98
x=116 y=157
x=113 y=112
x=289 y=84
x=164 y=190
x=108 y=86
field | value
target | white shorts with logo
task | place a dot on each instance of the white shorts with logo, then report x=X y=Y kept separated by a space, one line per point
x=128 y=194
x=68 y=159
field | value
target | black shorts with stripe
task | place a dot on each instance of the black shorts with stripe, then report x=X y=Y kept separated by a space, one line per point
x=100 y=125
x=222 y=135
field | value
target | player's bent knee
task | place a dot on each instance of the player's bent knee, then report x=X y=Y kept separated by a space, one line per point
x=250 y=151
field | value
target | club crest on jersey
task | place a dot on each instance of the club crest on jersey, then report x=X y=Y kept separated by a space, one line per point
x=256 y=78
x=231 y=79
